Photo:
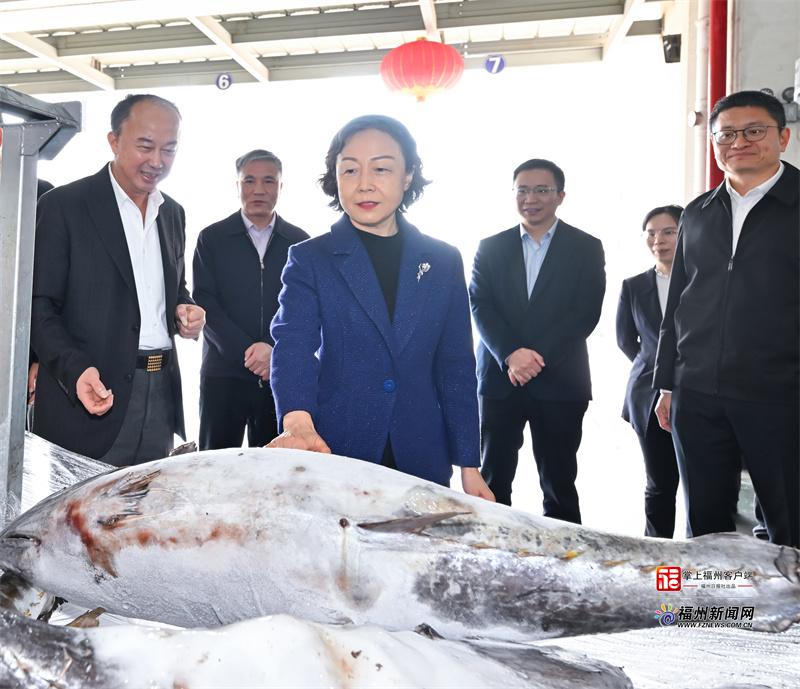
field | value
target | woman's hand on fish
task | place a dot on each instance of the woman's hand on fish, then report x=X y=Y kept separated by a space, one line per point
x=299 y=434
x=92 y=394
x=473 y=484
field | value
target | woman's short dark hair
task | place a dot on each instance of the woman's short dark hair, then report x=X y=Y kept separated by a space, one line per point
x=388 y=125
x=673 y=211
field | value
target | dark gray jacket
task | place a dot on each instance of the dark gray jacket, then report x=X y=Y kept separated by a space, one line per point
x=238 y=291
x=732 y=324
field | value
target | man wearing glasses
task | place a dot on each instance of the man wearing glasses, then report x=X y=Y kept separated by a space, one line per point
x=728 y=348
x=536 y=294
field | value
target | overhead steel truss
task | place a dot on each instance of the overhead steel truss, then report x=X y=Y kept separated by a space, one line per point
x=266 y=42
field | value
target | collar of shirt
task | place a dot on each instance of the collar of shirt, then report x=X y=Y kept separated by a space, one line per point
x=546 y=237
x=251 y=226
x=756 y=192
x=154 y=199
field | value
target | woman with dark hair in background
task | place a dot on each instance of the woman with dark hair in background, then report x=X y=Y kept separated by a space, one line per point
x=641 y=307
x=373 y=354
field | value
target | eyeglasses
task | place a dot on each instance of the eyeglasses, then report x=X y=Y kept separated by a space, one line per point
x=725 y=137
x=541 y=191
x=667 y=232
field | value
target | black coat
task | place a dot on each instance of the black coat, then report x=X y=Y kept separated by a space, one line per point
x=638 y=323
x=239 y=295
x=731 y=324
x=561 y=313
x=85 y=310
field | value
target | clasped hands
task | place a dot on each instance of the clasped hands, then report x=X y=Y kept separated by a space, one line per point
x=257 y=359
x=524 y=365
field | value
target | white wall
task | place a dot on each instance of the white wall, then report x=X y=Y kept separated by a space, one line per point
x=766 y=44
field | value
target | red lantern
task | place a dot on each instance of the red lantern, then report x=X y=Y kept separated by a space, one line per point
x=422 y=67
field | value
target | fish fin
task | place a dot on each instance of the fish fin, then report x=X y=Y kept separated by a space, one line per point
x=134 y=485
x=91 y=618
x=131 y=490
x=409 y=524
x=185 y=449
x=427 y=631
x=788 y=564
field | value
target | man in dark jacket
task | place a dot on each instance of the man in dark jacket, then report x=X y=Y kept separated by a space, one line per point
x=728 y=348
x=237 y=277
x=109 y=296
x=536 y=294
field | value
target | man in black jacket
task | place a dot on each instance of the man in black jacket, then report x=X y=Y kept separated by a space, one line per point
x=728 y=361
x=536 y=294
x=237 y=277
x=109 y=296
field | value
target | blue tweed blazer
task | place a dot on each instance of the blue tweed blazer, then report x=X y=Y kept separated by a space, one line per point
x=363 y=378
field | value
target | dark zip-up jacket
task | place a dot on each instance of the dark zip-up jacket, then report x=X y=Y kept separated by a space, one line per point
x=732 y=323
x=238 y=290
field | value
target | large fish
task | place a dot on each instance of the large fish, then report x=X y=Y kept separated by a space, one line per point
x=212 y=538
x=279 y=652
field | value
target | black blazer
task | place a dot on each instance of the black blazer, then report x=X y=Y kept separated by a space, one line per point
x=638 y=322
x=731 y=323
x=239 y=296
x=85 y=311
x=561 y=313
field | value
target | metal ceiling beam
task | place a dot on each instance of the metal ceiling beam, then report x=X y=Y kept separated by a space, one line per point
x=327 y=24
x=36 y=15
x=457 y=15
x=428 y=9
x=315 y=66
x=74 y=65
x=621 y=26
x=212 y=29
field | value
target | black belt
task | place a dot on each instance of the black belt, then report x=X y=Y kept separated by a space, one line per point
x=153 y=361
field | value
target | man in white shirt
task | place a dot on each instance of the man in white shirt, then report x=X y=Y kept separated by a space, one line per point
x=728 y=360
x=237 y=277
x=109 y=295
x=536 y=294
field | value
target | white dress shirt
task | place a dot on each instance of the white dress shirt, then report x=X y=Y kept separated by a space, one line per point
x=741 y=205
x=662 y=285
x=148 y=270
x=260 y=237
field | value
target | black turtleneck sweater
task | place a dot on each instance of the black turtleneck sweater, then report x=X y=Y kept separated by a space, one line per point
x=385 y=253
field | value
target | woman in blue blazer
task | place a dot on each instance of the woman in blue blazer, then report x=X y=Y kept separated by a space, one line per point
x=641 y=307
x=373 y=354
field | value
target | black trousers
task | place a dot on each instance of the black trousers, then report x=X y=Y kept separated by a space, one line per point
x=556 y=429
x=661 y=469
x=147 y=431
x=228 y=406
x=713 y=436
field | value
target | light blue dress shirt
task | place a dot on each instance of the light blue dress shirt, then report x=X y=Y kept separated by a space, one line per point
x=534 y=253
